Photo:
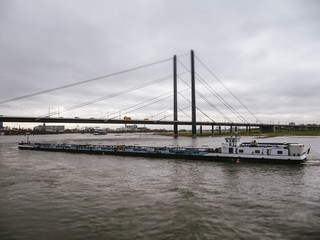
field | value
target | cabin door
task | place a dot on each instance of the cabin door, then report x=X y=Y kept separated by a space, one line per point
x=230 y=150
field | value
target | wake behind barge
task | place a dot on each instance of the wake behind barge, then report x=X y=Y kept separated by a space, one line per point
x=231 y=151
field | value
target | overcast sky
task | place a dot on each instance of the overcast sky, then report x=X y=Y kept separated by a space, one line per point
x=266 y=52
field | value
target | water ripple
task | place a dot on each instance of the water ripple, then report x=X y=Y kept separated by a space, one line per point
x=69 y=196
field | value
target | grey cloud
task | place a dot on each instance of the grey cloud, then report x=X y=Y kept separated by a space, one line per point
x=267 y=52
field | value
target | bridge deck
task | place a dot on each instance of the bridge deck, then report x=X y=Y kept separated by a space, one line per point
x=117 y=121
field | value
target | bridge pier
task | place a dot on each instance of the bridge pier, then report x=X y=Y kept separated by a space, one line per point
x=1 y=128
x=267 y=128
x=212 y=130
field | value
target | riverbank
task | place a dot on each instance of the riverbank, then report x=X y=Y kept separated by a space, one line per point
x=254 y=133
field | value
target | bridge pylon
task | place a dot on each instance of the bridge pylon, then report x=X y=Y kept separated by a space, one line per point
x=193 y=97
x=175 y=98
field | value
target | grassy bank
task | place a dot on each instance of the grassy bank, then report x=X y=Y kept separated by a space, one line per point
x=254 y=133
x=294 y=133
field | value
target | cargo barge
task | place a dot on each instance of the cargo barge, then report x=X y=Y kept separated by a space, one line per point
x=230 y=151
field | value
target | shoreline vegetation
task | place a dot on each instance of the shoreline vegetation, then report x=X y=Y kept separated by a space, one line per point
x=253 y=133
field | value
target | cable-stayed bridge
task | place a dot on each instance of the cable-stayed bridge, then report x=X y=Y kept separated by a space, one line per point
x=214 y=108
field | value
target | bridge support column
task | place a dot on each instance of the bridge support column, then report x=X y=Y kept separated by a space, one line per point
x=201 y=130
x=1 y=128
x=220 y=130
x=212 y=130
x=231 y=129
x=269 y=128
x=193 y=97
x=175 y=98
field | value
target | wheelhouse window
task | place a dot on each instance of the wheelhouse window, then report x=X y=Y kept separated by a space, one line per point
x=280 y=152
x=240 y=150
x=257 y=151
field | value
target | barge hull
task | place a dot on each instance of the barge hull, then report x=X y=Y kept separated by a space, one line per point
x=209 y=157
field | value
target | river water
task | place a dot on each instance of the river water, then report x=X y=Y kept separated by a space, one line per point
x=51 y=195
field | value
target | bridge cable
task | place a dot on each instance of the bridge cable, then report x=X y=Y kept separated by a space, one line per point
x=180 y=110
x=161 y=113
x=215 y=76
x=219 y=97
x=156 y=99
x=190 y=101
x=209 y=103
x=82 y=82
x=110 y=96
x=196 y=107
x=169 y=108
x=136 y=105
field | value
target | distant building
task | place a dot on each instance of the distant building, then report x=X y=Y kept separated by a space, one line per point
x=292 y=124
x=131 y=127
x=49 y=128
